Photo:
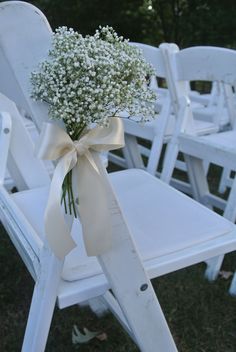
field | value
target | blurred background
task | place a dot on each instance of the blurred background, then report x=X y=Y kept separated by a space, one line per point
x=184 y=22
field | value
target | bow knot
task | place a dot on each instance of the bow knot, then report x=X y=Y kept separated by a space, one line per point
x=81 y=146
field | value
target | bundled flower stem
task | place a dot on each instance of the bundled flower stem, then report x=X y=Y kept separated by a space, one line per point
x=67 y=197
x=87 y=80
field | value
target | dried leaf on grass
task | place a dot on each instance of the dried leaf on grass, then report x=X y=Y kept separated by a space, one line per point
x=225 y=274
x=102 y=336
x=80 y=338
x=86 y=336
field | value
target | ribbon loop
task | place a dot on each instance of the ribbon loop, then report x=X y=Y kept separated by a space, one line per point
x=78 y=156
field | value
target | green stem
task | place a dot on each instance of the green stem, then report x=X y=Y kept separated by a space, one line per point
x=68 y=186
x=78 y=131
x=72 y=196
x=64 y=201
x=63 y=196
x=67 y=191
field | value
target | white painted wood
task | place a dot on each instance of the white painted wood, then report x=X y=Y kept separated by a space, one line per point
x=113 y=266
x=43 y=302
x=113 y=305
x=99 y=306
x=19 y=57
x=173 y=145
x=215 y=65
x=5 y=135
x=136 y=297
x=131 y=152
x=200 y=189
x=197 y=147
x=213 y=267
x=232 y=289
x=159 y=132
x=225 y=180
x=21 y=232
x=19 y=164
x=198 y=180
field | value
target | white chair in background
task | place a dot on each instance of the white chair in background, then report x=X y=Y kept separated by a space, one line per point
x=207 y=64
x=158 y=132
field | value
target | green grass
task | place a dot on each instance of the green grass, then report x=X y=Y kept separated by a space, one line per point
x=201 y=315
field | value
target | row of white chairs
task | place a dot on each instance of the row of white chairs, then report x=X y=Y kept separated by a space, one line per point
x=166 y=229
x=207 y=110
x=185 y=127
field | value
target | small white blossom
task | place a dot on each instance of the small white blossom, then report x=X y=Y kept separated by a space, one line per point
x=88 y=79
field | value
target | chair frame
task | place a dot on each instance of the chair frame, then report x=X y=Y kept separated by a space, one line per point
x=197 y=150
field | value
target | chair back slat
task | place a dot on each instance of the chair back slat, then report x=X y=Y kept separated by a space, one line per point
x=206 y=63
x=25 y=168
x=153 y=56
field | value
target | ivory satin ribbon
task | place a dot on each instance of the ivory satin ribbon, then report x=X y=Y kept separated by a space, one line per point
x=87 y=182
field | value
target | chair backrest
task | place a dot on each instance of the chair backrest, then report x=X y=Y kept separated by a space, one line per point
x=28 y=170
x=21 y=50
x=206 y=63
x=154 y=56
x=201 y=63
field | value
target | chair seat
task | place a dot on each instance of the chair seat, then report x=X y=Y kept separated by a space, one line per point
x=150 y=129
x=208 y=113
x=217 y=148
x=205 y=127
x=153 y=211
x=223 y=140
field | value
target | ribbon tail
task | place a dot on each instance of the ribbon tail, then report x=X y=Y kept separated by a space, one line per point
x=57 y=231
x=93 y=208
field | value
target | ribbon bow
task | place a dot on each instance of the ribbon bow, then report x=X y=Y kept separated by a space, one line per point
x=93 y=193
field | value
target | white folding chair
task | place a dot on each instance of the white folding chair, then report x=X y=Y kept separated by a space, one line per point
x=167 y=237
x=159 y=132
x=22 y=215
x=164 y=245
x=208 y=64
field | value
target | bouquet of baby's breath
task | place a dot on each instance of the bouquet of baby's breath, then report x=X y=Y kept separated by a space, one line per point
x=87 y=80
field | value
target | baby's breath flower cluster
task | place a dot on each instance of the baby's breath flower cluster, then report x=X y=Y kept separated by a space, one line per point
x=89 y=79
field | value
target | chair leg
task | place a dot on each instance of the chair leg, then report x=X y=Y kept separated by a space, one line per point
x=198 y=179
x=42 y=304
x=230 y=214
x=132 y=153
x=154 y=156
x=98 y=306
x=223 y=181
x=133 y=290
x=230 y=210
x=213 y=267
x=200 y=190
x=232 y=289
x=169 y=161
